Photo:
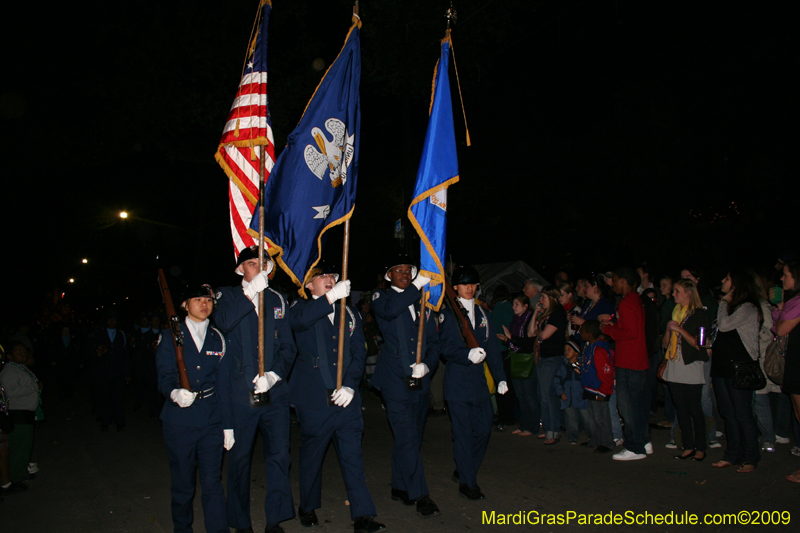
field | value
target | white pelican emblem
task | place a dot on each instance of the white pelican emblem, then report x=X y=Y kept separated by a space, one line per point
x=334 y=155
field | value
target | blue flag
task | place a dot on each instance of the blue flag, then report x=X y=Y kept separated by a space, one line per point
x=438 y=169
x=313 y=183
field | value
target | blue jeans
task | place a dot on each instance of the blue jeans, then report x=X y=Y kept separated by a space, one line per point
x=530 y=410
x=575 y=418
x=613 y=413
x=551 y=404
x=741 y=433
x=763 y=414
x=634 y=407
x=707 y=401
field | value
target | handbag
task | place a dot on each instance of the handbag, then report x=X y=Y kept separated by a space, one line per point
x=661 y=368
x=748 y=376
x=774 y=359
x=522 y=365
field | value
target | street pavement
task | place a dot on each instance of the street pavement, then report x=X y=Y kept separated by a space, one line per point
x=119 y=482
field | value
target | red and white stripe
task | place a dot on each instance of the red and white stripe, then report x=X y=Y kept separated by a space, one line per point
x=250 y=110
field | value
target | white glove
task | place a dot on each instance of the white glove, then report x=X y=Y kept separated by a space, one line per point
x=418 y=370
x=229 y=440
x=420 y=281
x=265 y=382
x=339 y=291
x=343 y=396
x=182 y=397
x=259 y=282
x=502 y=388
x=477 y=355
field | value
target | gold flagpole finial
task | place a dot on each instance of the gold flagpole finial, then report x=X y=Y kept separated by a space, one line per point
x=451 y=15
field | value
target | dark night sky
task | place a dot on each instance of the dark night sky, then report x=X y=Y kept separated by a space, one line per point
x=604 y=132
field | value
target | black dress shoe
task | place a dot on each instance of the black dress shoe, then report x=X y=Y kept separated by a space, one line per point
x=401 y=496
x=274 y=529
x=426 y=508
x=602 y=449
x=308 y=519
x=470 y=493
x=455 y=477
x=684 y=457
x=367 y=524
x=244 y=530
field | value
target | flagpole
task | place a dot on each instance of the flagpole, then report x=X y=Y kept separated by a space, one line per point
x=261 y=212
x=343 y=305
x=422 y=303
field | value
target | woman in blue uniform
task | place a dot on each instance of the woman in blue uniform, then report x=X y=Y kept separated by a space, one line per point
x=192 y=420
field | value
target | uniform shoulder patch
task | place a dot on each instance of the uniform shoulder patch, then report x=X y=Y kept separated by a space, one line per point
x=441 y=318
x=219 y=295
x=376 y=295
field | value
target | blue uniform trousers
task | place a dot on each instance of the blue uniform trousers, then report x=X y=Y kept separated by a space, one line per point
x=345 y=427
x=273 y=421
x=189 y=448
x=472 y=427
x=407 y=412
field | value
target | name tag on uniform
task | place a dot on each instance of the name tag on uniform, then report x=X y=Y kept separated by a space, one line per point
x=218 y=354
x=278 y=312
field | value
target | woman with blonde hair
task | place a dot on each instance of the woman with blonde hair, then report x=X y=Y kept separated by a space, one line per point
x=684 y=372
x=550 y=326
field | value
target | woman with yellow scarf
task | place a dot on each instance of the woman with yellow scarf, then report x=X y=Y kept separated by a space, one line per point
x=684 y=367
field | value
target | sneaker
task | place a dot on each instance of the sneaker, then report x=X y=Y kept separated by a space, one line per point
x=714 y=444
x=573 y=442
x=627 y=455
x=671 y=445
x=720 y=434
x=619 y=442
x=648 y=448
x=767 y=446
x=781 y=440
x=34 y=467
x=796 y=450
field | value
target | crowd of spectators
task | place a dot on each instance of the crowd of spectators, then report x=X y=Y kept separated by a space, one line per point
x=598 y=356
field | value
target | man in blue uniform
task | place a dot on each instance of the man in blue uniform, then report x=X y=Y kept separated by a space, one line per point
x=237 y=317
x=316 y=326
x=405 y=385
x=109 y=370
x=465 y=388
x=192 y=420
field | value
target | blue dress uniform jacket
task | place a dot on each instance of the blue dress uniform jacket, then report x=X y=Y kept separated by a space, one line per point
x=466 y=391
x=407 y=410
x=236 y=317
x=193 y=435
x=107 y=374
x=319 y=422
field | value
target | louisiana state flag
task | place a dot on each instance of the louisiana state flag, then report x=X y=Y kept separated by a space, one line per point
x=438 y=169
x=313 y=183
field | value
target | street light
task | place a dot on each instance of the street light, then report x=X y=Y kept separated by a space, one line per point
x=123 y=214
x=71 y=280
x=84 y=261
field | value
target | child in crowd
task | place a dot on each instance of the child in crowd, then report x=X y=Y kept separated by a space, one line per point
x=568 y=386
x=597 y=376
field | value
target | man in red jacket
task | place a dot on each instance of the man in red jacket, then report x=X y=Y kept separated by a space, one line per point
x=632 y=362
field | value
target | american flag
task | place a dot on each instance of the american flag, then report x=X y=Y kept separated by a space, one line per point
x=247 y=128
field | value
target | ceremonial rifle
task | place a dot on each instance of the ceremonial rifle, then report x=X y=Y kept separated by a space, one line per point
x=175 y=327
